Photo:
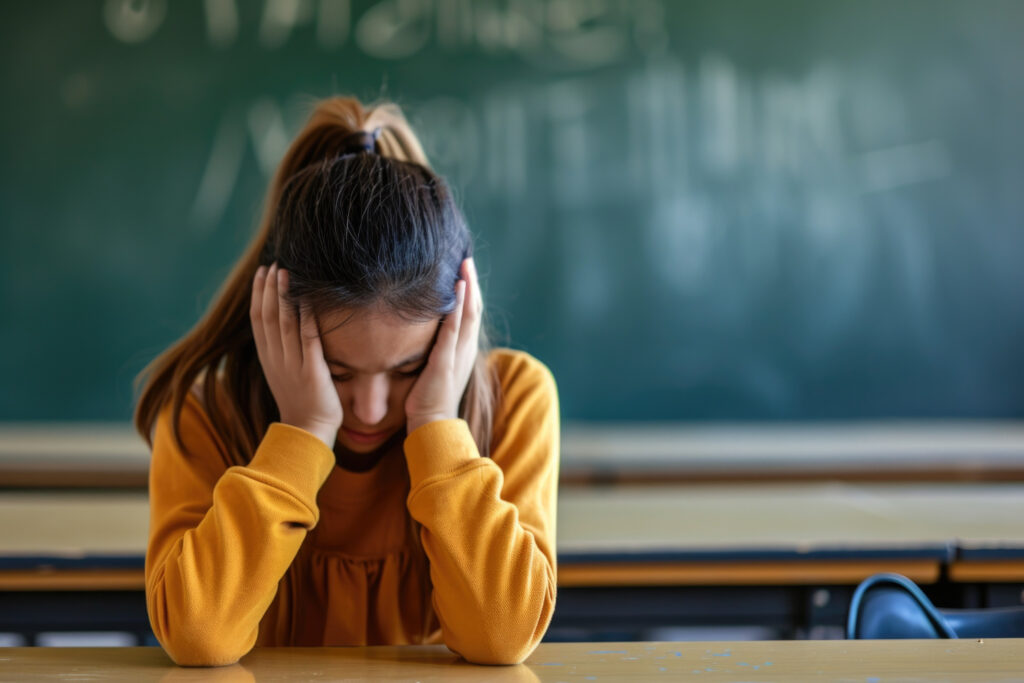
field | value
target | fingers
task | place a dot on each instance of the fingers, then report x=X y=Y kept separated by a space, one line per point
x=448 y=337
x=472 y=306
x=256 y=309
x=469 y=331
x=474 y=299
x=291 y=345
x=271 y=317
x=275 y=324
x=312 y=352
x=457 y=314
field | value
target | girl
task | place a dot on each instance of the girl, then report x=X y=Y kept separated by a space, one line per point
x=337 y=457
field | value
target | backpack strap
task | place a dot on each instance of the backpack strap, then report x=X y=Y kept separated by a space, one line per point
x=893 y=606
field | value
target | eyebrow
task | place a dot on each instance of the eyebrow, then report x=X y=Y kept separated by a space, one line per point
x=411 y=359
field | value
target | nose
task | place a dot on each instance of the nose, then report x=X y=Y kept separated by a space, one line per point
x=370 y=399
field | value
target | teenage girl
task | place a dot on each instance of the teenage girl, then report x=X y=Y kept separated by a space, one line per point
x=338 y=458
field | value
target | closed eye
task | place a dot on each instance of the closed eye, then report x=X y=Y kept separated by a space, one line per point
x=412 y=373
x=415 y=372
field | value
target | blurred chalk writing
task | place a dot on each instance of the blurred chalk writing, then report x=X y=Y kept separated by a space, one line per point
x=571 y=33
x=697 y=211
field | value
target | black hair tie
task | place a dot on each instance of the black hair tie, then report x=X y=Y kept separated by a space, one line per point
x=361 y=141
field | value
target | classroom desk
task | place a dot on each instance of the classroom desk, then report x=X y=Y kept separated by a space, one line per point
x=624 y=535
x=792 y=661
x=630 y=555
x=111 y=455
x=784 y=557
x=989 y=562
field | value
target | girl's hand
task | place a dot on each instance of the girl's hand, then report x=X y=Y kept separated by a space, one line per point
x=439 y=388
x=292 y=358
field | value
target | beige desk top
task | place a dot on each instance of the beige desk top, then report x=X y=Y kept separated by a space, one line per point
x=789 y=661
x=641 y=535
x=800 y=518
x=79 y=454
x=804 y=517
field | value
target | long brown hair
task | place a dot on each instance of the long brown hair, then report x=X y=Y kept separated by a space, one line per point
x=353 y=229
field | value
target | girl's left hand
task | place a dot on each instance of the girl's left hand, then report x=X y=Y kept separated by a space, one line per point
x=439 y=388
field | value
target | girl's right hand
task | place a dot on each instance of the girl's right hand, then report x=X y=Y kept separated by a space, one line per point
x=292 y=358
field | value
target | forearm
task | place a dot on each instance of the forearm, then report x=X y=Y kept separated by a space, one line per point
x=494 y=588
x=209 y=583
x=492 y=571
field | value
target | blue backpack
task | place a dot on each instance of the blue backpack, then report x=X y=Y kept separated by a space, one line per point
x=893 y=606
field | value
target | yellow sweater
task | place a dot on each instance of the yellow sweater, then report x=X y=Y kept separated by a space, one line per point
x=293 y=550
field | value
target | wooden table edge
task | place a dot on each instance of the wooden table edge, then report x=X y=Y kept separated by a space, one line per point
x=792 y=572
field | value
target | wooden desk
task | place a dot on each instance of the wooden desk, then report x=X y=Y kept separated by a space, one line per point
x=639 y=535
x=636 y=535
x=992 y=561
x=112 y=455
x=775 y=534
x=872 y=661
x=618 y=546
x=782 y=557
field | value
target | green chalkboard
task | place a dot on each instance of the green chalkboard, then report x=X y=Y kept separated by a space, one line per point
x=716 y=210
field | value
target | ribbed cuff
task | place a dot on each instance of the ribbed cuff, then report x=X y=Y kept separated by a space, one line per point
x=437 y=448
x=294 y=456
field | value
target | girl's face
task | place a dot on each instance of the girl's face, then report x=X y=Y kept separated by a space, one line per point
x=374 y=357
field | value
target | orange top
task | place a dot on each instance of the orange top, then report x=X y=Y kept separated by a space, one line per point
x=293 y=550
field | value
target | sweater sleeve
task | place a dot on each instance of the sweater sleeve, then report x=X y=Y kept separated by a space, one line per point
x=488 y=525
x=220 y=537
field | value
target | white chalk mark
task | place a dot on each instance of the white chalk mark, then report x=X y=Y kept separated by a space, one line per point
x=454 y=23
x=668 y=129
x=570 y=142
x=133 y=21
x=221 y=22
x=821 y=109
x=637 y=134
x=649 y=31
x=893 y=167
x=450 y=133
x=577 y=36
x=269 y=134
x=505 y=125
x=782 y=126
x=280 y=17
x=656 y=121
x=518 y=28
x=720 y=109
x=220 y=175
x=334 y=21
x=580 y=34
x=394 y=29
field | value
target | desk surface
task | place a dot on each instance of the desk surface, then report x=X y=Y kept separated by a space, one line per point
x=790 y=518
x=871 y=661
x=714 y=520
x=41 y=454
x=922 y=525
